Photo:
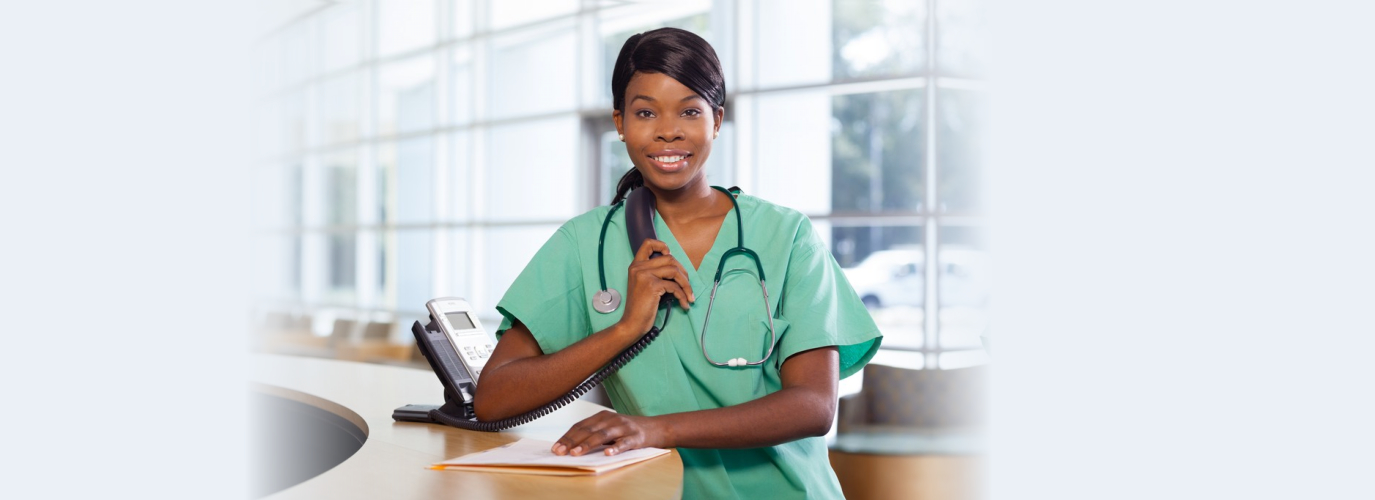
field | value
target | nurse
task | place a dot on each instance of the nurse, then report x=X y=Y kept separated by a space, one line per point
x=749 y=431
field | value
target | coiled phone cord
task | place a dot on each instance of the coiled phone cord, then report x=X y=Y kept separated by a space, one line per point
x=577 y=392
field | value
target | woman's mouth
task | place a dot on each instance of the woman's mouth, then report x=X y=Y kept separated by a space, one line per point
x=670 y=161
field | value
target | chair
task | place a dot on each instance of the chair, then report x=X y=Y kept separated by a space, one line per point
x=377 y=332
x=914 y=434
x=376 y=346
x=286 y=333
x=903 y=398
x=276 y=320
x=342 y=333
x=301 y=323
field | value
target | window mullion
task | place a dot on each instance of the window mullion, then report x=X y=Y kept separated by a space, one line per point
x=931 y=225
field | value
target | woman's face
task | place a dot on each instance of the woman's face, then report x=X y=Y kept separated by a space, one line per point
x=668 y=130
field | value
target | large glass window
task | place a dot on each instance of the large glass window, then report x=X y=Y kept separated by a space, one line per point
x=873 y=38
x=877 y=159
x=414 y=148
x=886 y=266
x=530 y=171
x=791 y=48
x=461 y=92
x=963 y=287
x=458 y=198
x=957 y=119
x=295 y=120
x=414 y=266
x=461 y=18
x=340 y=109
x=959 y=37
x=404 y=25
x=405 y=99
x=342 y=262
x=533 y=71
x=413 y=174
x=340 y=177
x=508 y=14
x=340 y=37
x=793 y=150
x=296 y=61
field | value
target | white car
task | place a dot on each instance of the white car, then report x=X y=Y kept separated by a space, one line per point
x=895 y=278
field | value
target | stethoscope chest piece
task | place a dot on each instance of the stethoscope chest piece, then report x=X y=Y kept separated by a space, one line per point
x=606 y=301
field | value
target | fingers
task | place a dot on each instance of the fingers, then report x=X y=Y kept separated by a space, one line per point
x=672 y=280
x=605 y=428
x=625 y=443
x=650 y=246
x=571 y=442
x=665 y=269
x=675 y=272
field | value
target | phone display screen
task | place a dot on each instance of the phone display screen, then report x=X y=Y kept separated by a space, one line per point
x=460 y=321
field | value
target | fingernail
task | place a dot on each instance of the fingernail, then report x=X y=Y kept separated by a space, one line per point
x=558 y=449
x=610 y=451
x=577 y=450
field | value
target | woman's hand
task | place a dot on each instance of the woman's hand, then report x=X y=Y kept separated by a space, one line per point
x=649 y=279
x=619 y=433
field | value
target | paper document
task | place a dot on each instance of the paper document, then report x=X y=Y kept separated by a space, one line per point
x=532 y=456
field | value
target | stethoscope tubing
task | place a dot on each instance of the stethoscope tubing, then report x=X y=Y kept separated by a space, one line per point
x=608 y=300
x=773 y=337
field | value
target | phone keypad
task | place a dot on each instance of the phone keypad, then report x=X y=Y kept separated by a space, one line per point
x=477 y=353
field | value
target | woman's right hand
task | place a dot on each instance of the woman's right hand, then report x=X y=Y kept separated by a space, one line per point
x=649 y=279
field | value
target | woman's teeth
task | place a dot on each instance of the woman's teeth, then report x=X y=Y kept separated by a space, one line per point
x=668 y=159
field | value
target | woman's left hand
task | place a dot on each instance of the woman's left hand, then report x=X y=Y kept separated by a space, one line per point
x=619 y=433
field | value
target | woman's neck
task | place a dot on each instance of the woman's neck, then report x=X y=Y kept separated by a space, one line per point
x=693 y=201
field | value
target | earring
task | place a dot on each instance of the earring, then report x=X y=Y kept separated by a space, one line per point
x=622 y=136
x=716 y=134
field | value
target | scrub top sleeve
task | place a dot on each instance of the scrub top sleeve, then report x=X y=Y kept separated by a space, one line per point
x=547 y=296
x=824 y=310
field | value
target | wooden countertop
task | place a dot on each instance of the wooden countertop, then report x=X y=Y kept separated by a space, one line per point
x=393 y=461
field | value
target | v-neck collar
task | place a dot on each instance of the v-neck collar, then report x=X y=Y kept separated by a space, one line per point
x=725 y=240
x=700 y=278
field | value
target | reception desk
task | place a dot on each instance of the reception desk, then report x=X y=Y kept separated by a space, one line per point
x=394 y=457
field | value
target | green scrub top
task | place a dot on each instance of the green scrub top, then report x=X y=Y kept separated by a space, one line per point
x=812 y=303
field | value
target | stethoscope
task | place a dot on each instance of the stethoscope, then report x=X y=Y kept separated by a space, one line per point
x=608 y=299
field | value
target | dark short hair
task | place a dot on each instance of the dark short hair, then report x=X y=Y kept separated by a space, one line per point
x=676 y=53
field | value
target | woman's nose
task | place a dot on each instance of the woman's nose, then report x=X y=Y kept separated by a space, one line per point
x=670 y=131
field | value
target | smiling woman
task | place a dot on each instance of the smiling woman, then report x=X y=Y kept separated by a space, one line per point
x=670 y=81
x=748 y=429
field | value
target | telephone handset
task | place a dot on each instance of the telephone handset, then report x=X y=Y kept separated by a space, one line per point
x=457 y=347
x=639 y=219
x=639 y=226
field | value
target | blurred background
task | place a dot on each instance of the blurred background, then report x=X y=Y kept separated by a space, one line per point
x=1157 y=175
x=411 y=149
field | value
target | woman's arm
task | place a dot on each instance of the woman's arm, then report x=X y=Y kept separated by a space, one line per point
x=804 y=407
x=519 y=377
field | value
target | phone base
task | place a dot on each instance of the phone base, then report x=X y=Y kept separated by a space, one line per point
x=414 y=413
x=421 y=413
x=454 y=407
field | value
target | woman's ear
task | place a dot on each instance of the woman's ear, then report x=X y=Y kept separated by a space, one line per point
x=720 y=118
x=616 y=117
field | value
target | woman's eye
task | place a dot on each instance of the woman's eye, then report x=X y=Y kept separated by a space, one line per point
x=644 y=114
x=692 y=112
